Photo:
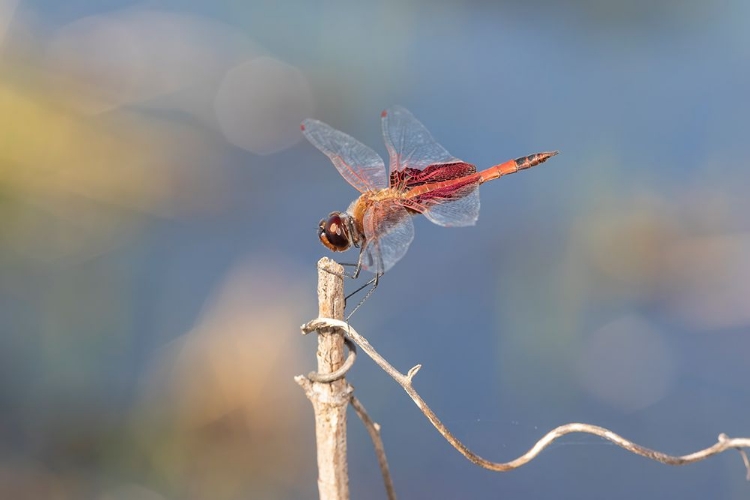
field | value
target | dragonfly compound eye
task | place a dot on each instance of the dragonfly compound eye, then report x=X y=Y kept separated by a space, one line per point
x=333 y=233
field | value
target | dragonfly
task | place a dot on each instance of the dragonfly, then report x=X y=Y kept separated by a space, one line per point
x=422 y=178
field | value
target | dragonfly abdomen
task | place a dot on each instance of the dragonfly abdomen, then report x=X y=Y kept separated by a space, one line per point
x=533 y=160
x=513 y=166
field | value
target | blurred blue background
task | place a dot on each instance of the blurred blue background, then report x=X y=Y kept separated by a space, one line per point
x=158 y=213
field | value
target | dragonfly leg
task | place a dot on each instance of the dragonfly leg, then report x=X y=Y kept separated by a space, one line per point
x=355 y=275
x=374 y=282
x=345 y=274
x=357 y=268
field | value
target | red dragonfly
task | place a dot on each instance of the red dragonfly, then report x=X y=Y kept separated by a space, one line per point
x=423 y=178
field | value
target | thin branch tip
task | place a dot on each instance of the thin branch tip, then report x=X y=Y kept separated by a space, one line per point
x=413 y=371
x=745 y=461
x=373 y=429
x=307 y=328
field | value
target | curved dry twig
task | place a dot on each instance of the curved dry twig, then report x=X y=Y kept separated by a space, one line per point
x=341 y=372
x=405 y=381
x=373 y=429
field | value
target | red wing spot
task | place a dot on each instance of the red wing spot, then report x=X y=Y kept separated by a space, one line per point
x=302 y=127
x=384 y=114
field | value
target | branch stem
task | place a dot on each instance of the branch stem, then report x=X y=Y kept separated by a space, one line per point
x=330 y=398
x=405 y=381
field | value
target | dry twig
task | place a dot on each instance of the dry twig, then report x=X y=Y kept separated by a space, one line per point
x=373 y=429
x=405 y=381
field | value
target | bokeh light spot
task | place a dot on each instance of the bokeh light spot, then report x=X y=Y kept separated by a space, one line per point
x=626 y=364
x=261 y=103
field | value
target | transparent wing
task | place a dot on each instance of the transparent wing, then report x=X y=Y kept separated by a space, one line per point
x=454 y=205
x=388 y=233
x=460 y=211
x=362 y=167
x=409 y=143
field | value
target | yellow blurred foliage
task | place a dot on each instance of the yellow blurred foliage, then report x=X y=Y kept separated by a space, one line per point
x=74 y=185
x=221 y=400
x=121 y=159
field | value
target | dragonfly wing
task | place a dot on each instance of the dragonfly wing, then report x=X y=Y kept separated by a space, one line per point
x=388 y=232
x=409 y=143
x=455 y=207
x=362 y=167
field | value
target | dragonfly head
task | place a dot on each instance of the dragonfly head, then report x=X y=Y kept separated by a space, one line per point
x=334 y=232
